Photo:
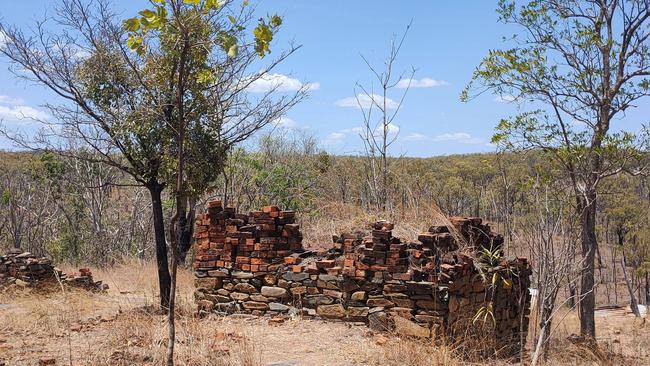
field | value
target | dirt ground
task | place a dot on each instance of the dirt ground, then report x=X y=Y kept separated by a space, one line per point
x=120 y=328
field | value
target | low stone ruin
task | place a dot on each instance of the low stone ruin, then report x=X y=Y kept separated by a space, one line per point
x=255 y=264
x=21 y=270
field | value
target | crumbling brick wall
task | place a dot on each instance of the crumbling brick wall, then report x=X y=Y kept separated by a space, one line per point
x=20 y=269
x=255 y=264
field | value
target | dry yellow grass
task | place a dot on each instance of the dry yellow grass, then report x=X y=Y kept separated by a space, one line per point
x=118 y=328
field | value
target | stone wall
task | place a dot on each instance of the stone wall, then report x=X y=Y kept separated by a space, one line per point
x=255 y=264
x=24 y=270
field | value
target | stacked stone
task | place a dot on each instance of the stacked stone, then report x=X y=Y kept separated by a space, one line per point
x=418 y=289
x=23 y=269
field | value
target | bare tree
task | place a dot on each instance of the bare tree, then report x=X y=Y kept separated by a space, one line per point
x=379 y=112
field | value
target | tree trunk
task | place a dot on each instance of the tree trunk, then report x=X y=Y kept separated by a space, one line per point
x=587 y=286
x=164 y=278
x=171 y=316
x=542 y=345
x=188 y=229
x=647 y=289
x=633 y=303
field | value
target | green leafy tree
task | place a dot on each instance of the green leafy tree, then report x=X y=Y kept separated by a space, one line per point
x=576 y=67
x=161 y=96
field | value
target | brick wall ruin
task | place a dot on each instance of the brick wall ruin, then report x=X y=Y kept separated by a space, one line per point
x=22 y=270
x=255 y=264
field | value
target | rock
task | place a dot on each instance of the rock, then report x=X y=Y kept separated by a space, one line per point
x=208 y=283
x=379 y=321
x=274 y=291
x=242 y=275
x=218 y=273
x=254 y=305
x=290 y=276
x=22 y=283
x=327 y=285
x=410 y=329
x=300 y=290
x=358 y=312
x=223 y=292
x=430 y=305
x=259 y=298
x=275 y=306
x=380 y=302
x=245 y=287
x=238 y=296
x=335 y=311
x=270 y=279
x=316 y=300
x=332 y=293
x=205 y=305
x=358 y=296
x=327 y=278
x=390 y=288
x=405 y=313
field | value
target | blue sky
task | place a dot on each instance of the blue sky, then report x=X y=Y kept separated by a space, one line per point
x=446 y=42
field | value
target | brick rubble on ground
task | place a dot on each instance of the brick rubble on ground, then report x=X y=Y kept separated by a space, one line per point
x=20 y=269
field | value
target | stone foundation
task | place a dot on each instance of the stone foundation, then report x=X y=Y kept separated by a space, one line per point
x=255 y=264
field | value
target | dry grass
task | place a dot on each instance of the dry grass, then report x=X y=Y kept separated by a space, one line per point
x=119 y=328
x=336 y=217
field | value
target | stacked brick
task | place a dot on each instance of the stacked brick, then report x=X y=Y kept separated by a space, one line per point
x=20 y=269
x=382 y=255
x=256 y=242
x=418 y=289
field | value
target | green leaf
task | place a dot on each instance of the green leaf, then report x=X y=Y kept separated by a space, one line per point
x=149 y=14
x=132 y=24
x=192 y=2
x=232 y=19
x=213 y=4
x=161 y=2
x=276 y=21
x=135 y=44
x=204 y=76
x=263 y=37
x=233 y=50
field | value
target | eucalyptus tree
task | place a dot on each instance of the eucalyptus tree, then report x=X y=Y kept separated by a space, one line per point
x=161 y=96
x=575 y=68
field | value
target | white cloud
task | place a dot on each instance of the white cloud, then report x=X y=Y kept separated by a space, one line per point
x=286 y=123
x=366 y=101
x=3 y=39
x=5 y=99
x=279 y=82
x=422 y=83
x=415 y=136
x=505 y=98
x=334 y=138
x=392 y=130
x=21 y=112
x=356 y=130
x=460 y=137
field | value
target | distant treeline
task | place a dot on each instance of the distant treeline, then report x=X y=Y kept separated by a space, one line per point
x=78 y=211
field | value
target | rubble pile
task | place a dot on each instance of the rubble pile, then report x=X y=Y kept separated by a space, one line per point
x=420 y=289
x=20 y=269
